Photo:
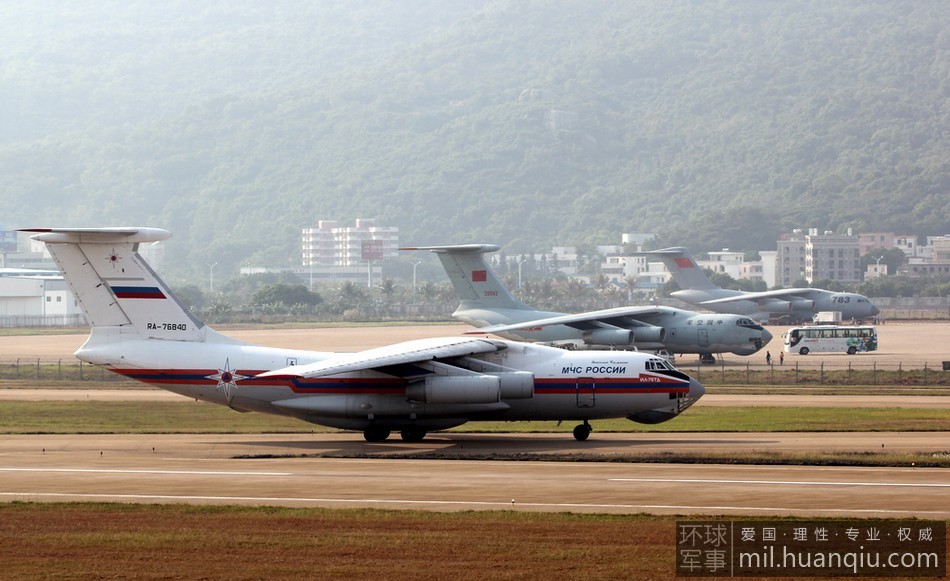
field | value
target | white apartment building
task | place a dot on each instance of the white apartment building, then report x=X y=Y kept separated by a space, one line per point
x=330 y=244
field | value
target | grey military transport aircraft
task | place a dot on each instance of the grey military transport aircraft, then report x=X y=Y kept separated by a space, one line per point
x=796 y=303
x=141 y=331
x=485 y=303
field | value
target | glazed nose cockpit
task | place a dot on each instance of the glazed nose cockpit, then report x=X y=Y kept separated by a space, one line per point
x=758 y=337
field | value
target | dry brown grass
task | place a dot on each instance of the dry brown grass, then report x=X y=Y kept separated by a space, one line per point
x=88 y=541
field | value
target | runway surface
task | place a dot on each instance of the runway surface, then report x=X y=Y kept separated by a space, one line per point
x=283 y=470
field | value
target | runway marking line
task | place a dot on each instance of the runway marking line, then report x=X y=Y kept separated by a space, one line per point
x=782 y=482
x=133 y=471
x=179 y=498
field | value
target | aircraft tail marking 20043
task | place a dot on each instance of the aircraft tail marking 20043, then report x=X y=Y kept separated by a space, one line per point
x=140 y=330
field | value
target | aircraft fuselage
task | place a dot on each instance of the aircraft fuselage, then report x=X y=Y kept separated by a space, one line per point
x=567 y=385
x=682 y=331
x=850 y=305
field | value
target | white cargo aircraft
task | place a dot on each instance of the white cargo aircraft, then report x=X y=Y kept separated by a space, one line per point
x=140 y=330
x=484 y=302
x=797 y=303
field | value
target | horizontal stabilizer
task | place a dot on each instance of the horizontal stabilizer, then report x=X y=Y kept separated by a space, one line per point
x=457 y=248
x=99 y=235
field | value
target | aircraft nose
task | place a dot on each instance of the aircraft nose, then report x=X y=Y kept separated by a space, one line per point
x=875 y=311
x=696 y=390
x=766 y=336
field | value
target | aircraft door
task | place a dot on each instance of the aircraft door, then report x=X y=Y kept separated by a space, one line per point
x=703 y=338
x=585 y=392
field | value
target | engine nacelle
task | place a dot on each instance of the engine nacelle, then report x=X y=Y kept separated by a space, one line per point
x=649 y=334
x=608 y=337
x=456 y=389
x=516 y=385
x=775 y=306
x=802 y=305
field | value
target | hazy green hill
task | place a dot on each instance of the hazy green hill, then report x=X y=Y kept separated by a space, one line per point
x=526 y=123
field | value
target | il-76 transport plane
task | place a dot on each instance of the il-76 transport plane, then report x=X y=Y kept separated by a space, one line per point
x=140 y=330
x=484 y=302
x=799 y=303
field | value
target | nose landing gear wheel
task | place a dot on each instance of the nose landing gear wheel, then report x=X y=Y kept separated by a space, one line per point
x=582 y=431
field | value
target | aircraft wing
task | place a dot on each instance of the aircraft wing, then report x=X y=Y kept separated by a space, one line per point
x=417 y=351
x=808 y=294
x=621 y=317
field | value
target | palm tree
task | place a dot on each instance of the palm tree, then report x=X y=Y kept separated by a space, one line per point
x=349 y=296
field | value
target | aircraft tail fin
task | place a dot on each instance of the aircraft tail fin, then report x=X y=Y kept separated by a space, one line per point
x=685 y=271
x=474 y=281
x=121 y=296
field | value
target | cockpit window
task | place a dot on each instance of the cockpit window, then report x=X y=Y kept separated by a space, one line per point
x=658 y=365
x=749 y=324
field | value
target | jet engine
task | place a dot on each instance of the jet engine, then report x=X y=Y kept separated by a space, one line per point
x=775 y=306
x=609 y=337
x=456 y=389
x=623 y=337
x=802 y=305
x=649 y=334
x=516 y=384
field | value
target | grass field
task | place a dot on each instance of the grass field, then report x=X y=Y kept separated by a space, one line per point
x=114 y=541
x=117 y=541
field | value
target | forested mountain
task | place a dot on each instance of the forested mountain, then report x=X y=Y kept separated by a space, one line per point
x=527 y=123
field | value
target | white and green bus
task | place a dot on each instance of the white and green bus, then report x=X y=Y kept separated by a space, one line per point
x=830 y=338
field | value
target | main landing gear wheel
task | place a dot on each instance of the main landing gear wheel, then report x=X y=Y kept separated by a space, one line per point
x=375 y=434
x=707 y=358
x=412 y=434
x=582 y=431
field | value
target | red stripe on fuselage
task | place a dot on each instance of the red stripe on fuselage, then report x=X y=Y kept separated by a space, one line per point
x=394 y=385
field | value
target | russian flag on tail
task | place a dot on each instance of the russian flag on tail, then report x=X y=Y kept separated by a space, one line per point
x=138 y=292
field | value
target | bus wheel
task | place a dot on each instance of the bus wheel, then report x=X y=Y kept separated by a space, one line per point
x=803 y=351
x=852 y=350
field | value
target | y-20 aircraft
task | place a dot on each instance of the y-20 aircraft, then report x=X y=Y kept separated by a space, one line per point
x=140 y=330
x=798 y=303
x=484 y=302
